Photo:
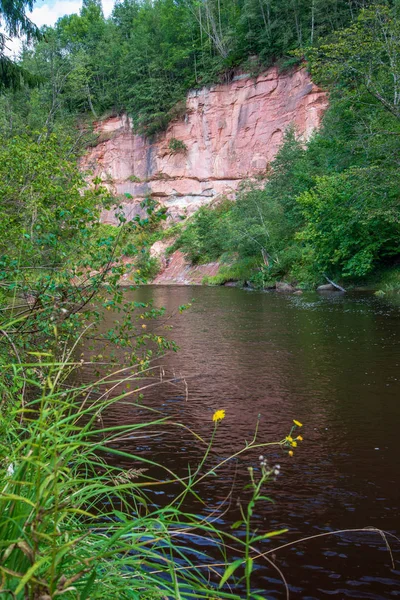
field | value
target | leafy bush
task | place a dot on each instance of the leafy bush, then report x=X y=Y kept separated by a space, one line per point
x=347 y=228
x=177 y=145
x=147 y=266
x=263 y=220
x=240 y=270
x=205 y=235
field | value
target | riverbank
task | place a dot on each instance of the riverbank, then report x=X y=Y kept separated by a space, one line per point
x=175 y=269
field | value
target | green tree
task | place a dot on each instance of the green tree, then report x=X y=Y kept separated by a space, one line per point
x=365 y=57
x=351 y=222
x=47 y=231
x=15 y=23
x=265 y=219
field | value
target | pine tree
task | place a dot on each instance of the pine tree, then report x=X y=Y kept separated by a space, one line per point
x=15 y=23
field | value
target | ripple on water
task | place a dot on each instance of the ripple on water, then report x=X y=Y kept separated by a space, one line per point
x=332 y=362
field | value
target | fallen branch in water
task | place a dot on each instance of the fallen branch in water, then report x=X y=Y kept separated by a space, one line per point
x=334 y=284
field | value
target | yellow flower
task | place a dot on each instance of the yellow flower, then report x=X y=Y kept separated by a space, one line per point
x=300 y=438
x=294 y=444
x=297 y=423
x=218 y=415
x=289 y=438
x=144 y=326
x=290 y=452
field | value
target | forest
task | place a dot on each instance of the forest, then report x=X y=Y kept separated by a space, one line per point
x=328 y=208
x=145 y=58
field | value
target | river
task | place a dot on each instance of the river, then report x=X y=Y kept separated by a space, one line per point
x=330 y=361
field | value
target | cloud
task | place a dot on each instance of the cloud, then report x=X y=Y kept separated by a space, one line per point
x=108 y=6
x=48 y=13
x=12 y=47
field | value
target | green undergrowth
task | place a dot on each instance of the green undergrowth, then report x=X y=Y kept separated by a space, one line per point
x=139 y=236
x=239 y=270
x=390 y=280
x=204 y=236
x=250 y=272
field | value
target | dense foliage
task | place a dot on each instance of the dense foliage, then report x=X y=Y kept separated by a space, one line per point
x=330 y=207
x=148 y=54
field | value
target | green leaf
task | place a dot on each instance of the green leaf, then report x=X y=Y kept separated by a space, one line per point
x=249 y=567
x=30 y=573
x=86 y=590
x=230 y=570
x=264 y=498
x=266 y=536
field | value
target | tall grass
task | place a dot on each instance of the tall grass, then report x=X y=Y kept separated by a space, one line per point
x=73 y=525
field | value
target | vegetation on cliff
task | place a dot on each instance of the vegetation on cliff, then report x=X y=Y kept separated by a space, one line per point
x=330 y=207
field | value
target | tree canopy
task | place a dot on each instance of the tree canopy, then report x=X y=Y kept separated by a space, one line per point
x=147 y=55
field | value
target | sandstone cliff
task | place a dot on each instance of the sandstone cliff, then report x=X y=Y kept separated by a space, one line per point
x=228 y=133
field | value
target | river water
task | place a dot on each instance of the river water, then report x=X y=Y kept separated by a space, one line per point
x=330 y=361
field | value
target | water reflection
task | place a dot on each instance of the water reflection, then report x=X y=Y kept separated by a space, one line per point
x=333 y=363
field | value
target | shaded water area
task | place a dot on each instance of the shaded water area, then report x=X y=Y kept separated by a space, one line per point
x=331 y=362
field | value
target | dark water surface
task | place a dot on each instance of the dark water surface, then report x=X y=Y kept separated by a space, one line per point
x=332 y=362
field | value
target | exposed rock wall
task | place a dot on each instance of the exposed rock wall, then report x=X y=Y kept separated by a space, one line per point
x=231 y=132
x=176 y=271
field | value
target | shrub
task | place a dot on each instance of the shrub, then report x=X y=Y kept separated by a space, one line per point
x=347 y=228
x=177 y=146
x=241 y=270
x=147 y=266
x=206 y=234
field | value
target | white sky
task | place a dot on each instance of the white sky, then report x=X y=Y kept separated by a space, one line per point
x=47 y=12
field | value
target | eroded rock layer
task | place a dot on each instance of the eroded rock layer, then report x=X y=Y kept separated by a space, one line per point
x=227 y=133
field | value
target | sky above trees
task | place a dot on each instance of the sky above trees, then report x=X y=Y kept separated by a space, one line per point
x=47 y=12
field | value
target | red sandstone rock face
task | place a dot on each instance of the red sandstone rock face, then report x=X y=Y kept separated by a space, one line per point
x=231 y=133
x=178 y=272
